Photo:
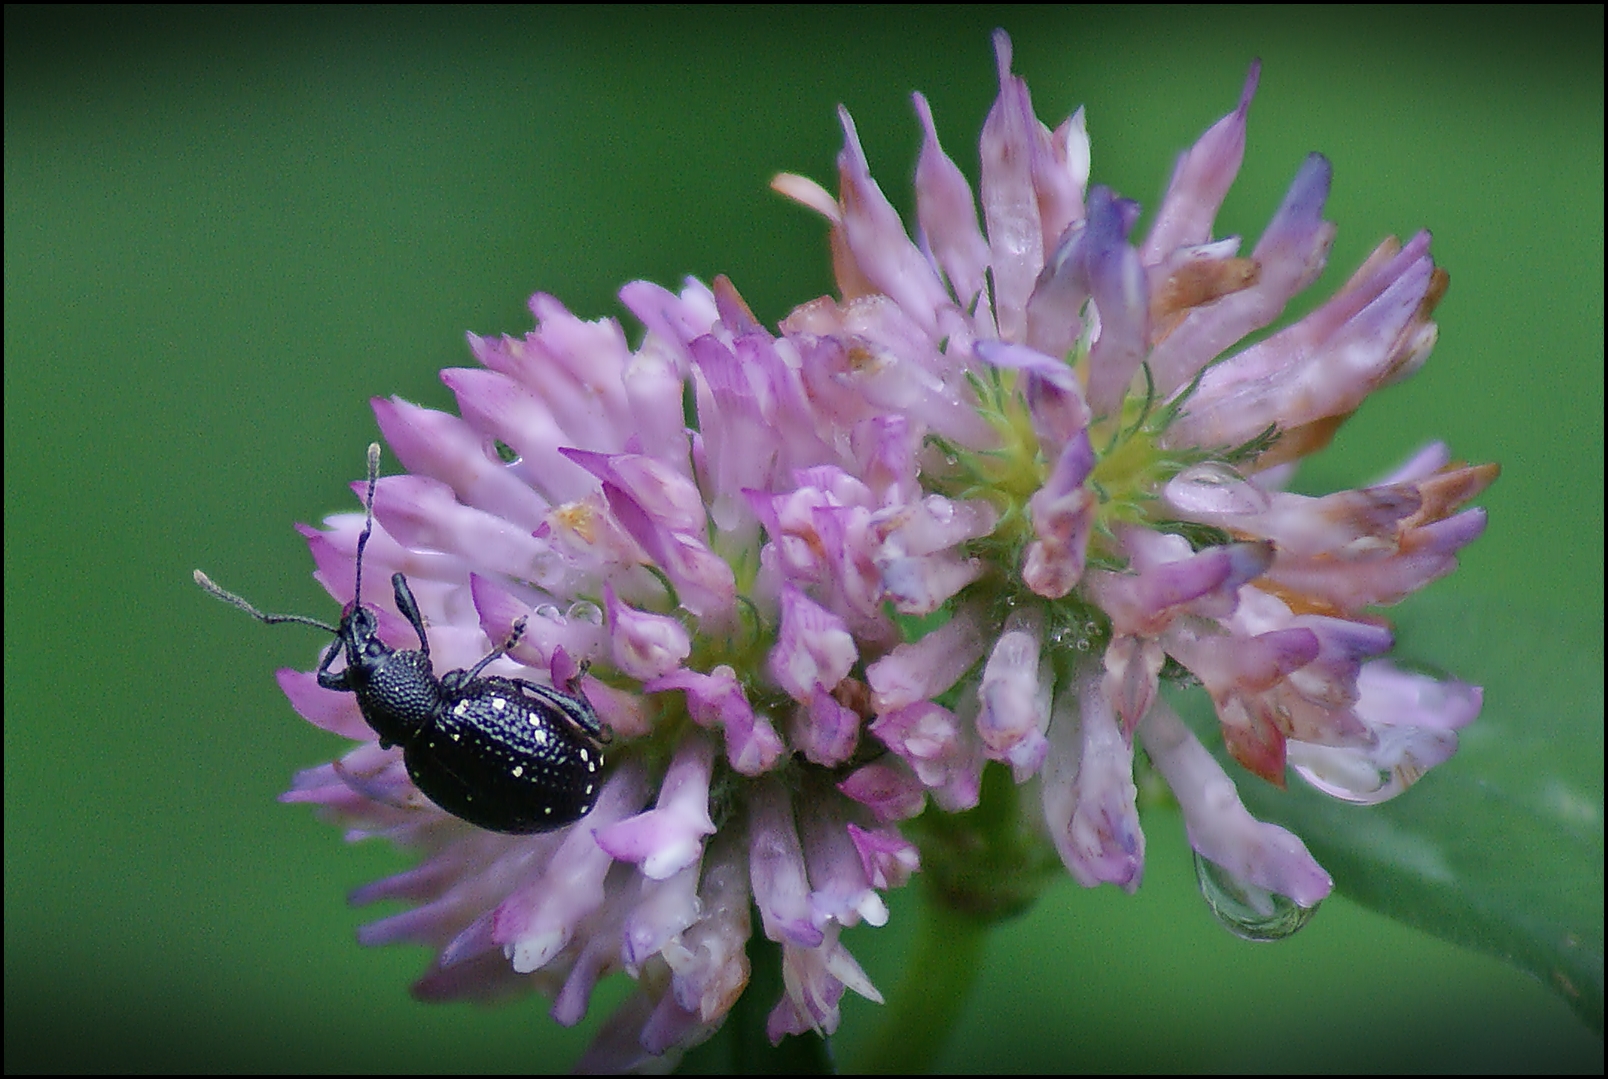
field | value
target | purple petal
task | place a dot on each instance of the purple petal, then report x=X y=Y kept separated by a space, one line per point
x=1089 y=793
x=1201 y=179
x=1219 y=826
x=776 y=866
x=669 y=838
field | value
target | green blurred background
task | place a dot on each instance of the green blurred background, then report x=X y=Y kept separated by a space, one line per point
x=226 y=229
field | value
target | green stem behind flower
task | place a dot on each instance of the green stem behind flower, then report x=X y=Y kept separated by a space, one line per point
x=925 y=1006
x=979 y=867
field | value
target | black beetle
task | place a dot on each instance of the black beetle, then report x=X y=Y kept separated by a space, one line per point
x=501 y=753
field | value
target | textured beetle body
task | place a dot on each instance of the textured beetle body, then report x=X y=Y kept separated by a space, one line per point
x=501 y=753
x=396 y=690
x=509 y=755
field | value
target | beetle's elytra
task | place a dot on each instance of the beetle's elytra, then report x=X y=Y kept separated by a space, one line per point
x=501 y=753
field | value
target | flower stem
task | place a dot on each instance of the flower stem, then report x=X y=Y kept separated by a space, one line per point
x=943 y=963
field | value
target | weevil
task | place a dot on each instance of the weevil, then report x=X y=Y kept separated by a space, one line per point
x=504 y=754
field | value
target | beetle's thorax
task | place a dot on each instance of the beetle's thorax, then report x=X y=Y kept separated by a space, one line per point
x=397 y=692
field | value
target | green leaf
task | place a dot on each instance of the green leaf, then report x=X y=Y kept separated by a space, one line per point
x=1499 y=849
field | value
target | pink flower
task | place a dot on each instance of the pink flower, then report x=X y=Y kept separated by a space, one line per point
x=1032 y=429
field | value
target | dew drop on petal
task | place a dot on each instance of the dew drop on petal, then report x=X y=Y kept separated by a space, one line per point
x=1368 y=777
x=547 y=569
x=586 y=611
x=1350 y=777
x=550 y=612
x=1217 y=488
x=1246 y=910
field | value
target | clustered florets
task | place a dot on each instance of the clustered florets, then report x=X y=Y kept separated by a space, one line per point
x=974 y=509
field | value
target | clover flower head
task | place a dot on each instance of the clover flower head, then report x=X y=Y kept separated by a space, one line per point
x=961 y=520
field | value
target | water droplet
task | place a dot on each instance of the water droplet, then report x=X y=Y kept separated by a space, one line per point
x=1345 y=774
x=550 y=612
x=547 y=570
x=1216 y=488
x=1246 y=910
x=1373 y=774
x=1082 y=644
x=586 y=611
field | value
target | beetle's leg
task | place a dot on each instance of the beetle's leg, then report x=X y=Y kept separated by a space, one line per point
x=409 y=609
x=574 y=707
x=336 y=680
x=513 y=638
x=573 y=686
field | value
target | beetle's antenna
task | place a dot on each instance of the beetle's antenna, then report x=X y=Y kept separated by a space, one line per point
x=368 y=521
x=230 y=598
